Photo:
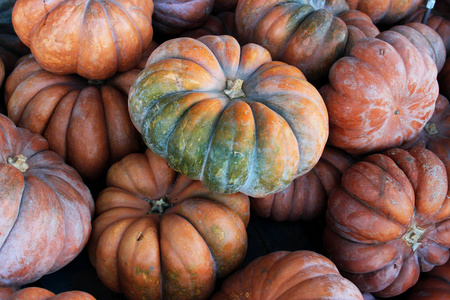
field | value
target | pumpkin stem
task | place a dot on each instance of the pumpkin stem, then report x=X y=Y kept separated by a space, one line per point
x=159 y=206
x=19 y=161
x=413 y=236
x=431 y=129
x=234 y=88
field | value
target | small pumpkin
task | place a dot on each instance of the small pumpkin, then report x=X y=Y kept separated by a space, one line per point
x=381 y=95
x=86 y=122
x=94 y=39
x=389 y=220
x=37 y=293
x=385 y=12
x=45 y=211
x=174 y=17
x=298 y=275
x=306 y=197
x=229 y=116
x=160 y=235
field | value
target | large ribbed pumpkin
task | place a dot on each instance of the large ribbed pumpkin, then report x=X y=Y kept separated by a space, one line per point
x=85 y=122
x=160 y=235
x=433 y=285
x=389 y=220
x=45 y=208
x=229 y=116
x=303 y=33
x=299 y=275
x=381 y=95
x=95 y=39
x=306 y=197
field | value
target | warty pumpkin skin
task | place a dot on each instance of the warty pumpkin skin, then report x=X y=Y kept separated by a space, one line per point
x=302 y=33
x=306 y=197
x=385 y=12
x=87 y=124
x=389 y=220
x=433 y=285
x=45 y=211
x=173 y=17
x=288 y=275
x=229 y=116
x=160 y=235
x=36 y=293
x=94 y=39
x=381 y=95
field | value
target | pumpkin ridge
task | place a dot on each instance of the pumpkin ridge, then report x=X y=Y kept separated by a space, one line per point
x=80 y=35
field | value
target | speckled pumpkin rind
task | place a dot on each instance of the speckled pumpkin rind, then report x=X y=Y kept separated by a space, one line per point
x=256 y=141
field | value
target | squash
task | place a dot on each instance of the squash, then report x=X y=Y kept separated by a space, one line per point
x=228 y=116
x=173 y=17
x=298 y=275
x=306 y=197
x=389 y=220
x=160 y=235
x=86 y=122
x=37 y=293
x=94 y=39
x=46 y=209
x=385 y=12
x=381 y=95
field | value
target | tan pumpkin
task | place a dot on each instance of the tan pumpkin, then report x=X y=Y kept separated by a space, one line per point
x=45 y=208
x=389 y=220
x=160 y=235
x=296 y=275
x=94 y=39
x=85 y=122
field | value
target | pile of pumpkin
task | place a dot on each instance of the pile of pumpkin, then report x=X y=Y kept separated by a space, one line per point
x=147 y=131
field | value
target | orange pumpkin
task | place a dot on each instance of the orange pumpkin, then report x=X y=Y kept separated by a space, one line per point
x=160 y=235
x=389 y=220
x=36 y=293
x=95 y=39
x=381 y=95
x=45 y=208
x=85 y=122
x=288 y=275
x=433 y=285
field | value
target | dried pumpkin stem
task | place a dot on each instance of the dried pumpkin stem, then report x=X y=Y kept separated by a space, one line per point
x=18 y=161
x=234 y=88
x=159 y=206
x=412 y=237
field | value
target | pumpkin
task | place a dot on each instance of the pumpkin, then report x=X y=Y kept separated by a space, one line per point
x=36 y=293
x=305 y=198
x=173 y=17
x=440 y=22
x=160 y=235
x=85 y=122
x=94 y=39
x=381 y=95
x=385 y=12
x=221 y=24
x=359 y=26
x=433 y=285
x=5 y=292
x=389 y=220
x=45 y=214
x=298 y=275
x=228 y=116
